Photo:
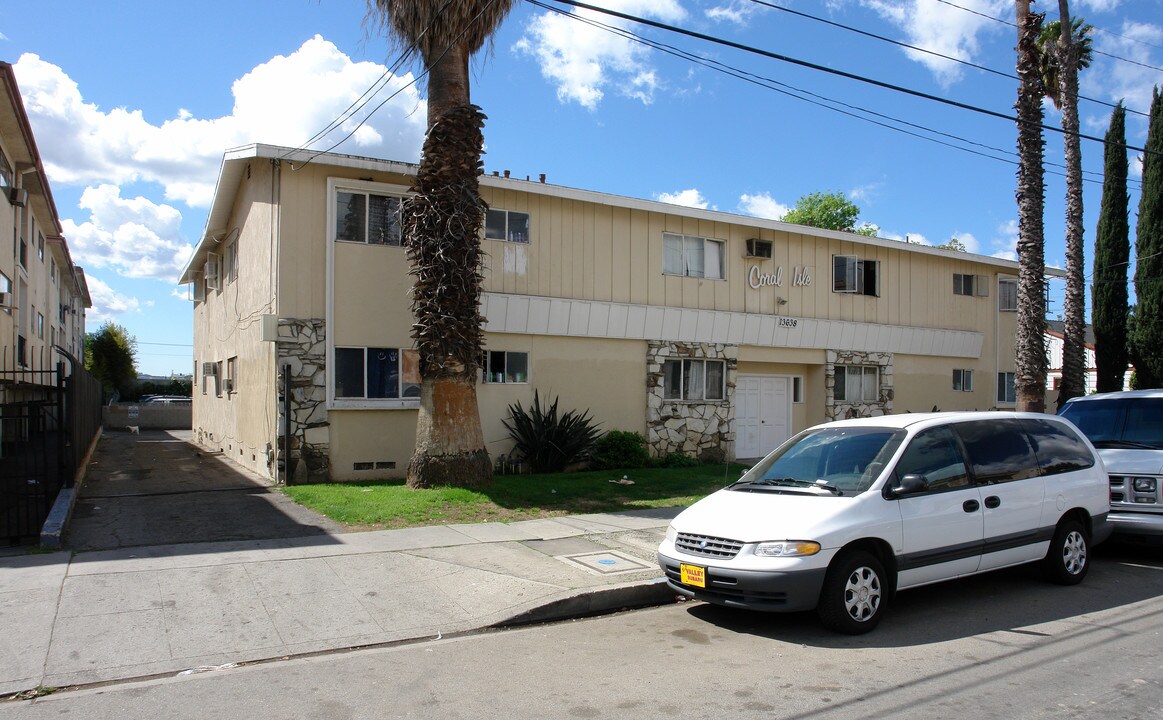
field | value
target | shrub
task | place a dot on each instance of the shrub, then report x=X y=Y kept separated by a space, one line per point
x=677 y=460
x=549 y=441
x=620 y=449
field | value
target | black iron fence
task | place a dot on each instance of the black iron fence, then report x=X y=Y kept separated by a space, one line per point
x=49 y=414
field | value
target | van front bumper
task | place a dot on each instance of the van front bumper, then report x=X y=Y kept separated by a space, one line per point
x=773 y=591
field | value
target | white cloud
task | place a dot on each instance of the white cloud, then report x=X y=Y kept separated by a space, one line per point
x=1099 y=6
x=283 y=101
x=1006 y=246
x=917 y=239
x=943 y=29
x=1115 y=80
x=583 y=60
x=134 y=237
x=691 y=198
x=970 y=242
x=762 y=205
x=865 y=193
x=108 y=304
x=735 y=11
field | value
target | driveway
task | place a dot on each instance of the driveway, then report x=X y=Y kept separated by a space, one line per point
x=159 y=488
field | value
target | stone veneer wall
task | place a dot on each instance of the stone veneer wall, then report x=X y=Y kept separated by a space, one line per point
x=706 y=429
x=834 y=410
x=302 y=353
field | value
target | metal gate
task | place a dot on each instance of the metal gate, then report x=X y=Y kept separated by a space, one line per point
x=48 y=418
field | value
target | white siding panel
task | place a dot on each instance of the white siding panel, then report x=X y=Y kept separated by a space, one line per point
x=671 y=323
x=599 y=320
x=655 y=322
x=495 y=312
x=559 y=317
x=767 y=331
x=860 y=336
x=538 y=316
x=751 y=331
x=616 y=323
x=579 y=318
x=720 y=326
x=705 y=326
x=738 y=325
x=517 y=318
x=636 y=322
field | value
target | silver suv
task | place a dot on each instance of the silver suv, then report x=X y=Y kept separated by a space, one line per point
x=1127 y=430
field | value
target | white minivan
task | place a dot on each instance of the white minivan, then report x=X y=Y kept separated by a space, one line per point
x=844 y=514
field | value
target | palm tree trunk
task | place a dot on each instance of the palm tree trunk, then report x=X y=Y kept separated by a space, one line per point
x=442 y=226
x=1073 y=349
x=1030 y=370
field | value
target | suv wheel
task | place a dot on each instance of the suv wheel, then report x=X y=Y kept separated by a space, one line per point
x=1068 y=558
x=854 y=593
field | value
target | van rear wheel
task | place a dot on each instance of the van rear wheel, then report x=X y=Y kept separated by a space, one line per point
x=854 y=593
x=1068 y=558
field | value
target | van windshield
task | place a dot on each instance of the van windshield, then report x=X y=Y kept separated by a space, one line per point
x=840 y=461
x=1119 y=422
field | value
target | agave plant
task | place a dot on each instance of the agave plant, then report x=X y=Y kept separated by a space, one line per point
x=547 y=440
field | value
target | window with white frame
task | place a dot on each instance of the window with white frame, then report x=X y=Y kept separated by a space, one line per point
x=797 y=389
x=692 y=256
x=375 y=373
x=694 y=379
x=40 y=326
x=502 y=366
x=962 y=380
x=856 y=383
x=367 y=217
x=973 y=285
x=850 y=274
x=230 y=262
x=507 y=225
x=40 y=245
x=232 y=374
x=5 y=171
x=1007 y=295
x=1005 y=388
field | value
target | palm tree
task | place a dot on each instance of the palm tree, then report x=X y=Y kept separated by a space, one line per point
x=1030 y=375
x=1063 y=55
x=442 y=227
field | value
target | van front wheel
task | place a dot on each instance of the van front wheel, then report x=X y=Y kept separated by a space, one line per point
x=854 y=593
x=1068 y=558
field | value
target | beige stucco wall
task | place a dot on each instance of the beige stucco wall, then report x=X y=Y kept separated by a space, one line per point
x=228 y=323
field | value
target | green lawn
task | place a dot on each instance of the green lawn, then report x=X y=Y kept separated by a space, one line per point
x=389 y=504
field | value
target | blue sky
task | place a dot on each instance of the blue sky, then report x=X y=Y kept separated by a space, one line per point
x=133 y=103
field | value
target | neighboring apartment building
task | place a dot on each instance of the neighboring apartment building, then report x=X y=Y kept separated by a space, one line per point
x=709 y=333
x=1055 y=335
x=43 y=295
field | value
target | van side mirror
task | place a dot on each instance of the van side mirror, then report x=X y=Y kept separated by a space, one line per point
x=909 y=485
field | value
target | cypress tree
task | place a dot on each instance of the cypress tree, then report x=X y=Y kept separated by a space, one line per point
x=1112 y=248
x=1147 y=331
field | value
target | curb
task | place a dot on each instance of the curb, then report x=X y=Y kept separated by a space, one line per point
x=62 y=509
x=595 y=602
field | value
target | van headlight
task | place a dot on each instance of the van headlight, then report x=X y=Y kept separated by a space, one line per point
x=671 y=534
x=787 y=548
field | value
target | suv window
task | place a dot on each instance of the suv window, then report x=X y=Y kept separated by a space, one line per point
x=1058 y=448
x=1119 y=422
x=998 y=451
x=935 y=455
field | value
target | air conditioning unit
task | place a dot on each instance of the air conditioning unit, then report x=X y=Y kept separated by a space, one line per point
x=212 y=271
x=209 y=368
x=18 y=196
x=757 y=248
x=5 y=299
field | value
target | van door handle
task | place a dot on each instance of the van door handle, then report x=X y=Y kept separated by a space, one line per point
x=992 y=501
x=970 y=506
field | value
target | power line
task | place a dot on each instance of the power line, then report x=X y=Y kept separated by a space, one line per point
x=820 y=101
x=916 y=48
x=832 y=71
x=1096 y=52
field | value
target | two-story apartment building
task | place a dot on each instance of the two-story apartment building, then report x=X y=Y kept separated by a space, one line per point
x=43 y=295
x=710 y=333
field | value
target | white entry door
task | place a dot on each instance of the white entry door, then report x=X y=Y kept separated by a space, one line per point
x=762 y=414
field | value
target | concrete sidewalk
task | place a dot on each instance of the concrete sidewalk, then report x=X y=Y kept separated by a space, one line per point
x=72 y=619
